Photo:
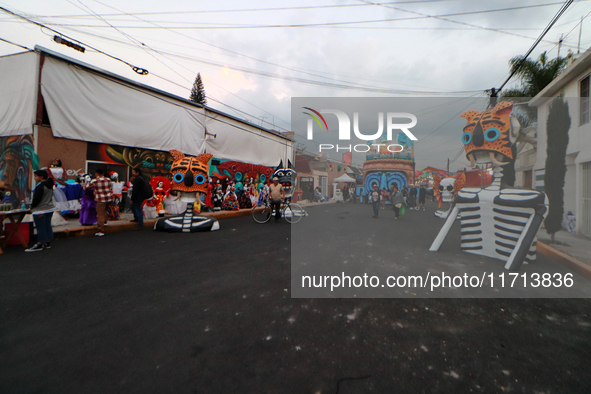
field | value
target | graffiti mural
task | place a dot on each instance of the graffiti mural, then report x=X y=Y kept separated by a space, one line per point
x=151 y=163
x=18 y=160
x=239 y=172
x=158 y=163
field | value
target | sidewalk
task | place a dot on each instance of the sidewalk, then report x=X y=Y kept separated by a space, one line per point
x=74 y=228
x=571 y=250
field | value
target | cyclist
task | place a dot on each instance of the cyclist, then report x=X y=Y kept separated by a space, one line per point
x=277 y=194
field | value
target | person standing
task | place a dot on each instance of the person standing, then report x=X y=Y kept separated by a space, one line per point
x=277 y=194
x=138 y=196
x=412 y=197
x=422 y=196
x=383 y=198
x=346 y=193
x=397 y=201
x=404 y=192
x=103 y=195
x=42 y=208
x=374 y=198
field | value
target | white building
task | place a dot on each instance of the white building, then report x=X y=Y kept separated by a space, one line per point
x=572 y=84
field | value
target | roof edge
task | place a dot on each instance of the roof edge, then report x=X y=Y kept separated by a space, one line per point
x=59 y=56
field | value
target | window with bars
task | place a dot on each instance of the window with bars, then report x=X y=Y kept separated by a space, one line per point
x=585 y=109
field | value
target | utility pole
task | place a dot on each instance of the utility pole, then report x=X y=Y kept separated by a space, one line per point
x=580 y=31
x=559 y=45
x=492 y=102
x=447 y=164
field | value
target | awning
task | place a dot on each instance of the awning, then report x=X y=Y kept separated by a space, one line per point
x=88 y=105
x=344 y=178
x=18 y=100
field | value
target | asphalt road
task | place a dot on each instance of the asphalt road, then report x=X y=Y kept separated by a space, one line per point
x=147 y=312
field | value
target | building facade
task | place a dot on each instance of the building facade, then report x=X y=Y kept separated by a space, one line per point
x=573 y=84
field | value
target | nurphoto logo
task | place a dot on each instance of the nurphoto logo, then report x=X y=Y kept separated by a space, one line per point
x=345 y=129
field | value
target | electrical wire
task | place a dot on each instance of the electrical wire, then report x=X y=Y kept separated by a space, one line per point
x=18 y=45
x=340 y=85
x=328 y=24
x=256 y=9
x=313 y=73
x=546 y=30
x=138 y=70
x=443 y=18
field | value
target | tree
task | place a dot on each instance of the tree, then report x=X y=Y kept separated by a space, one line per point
x=198 y=91
x=535 y=75
x=557 y=127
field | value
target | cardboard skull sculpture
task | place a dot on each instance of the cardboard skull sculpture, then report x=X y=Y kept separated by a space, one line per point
x=189 y=180
x=445 y=190
x=497 y=221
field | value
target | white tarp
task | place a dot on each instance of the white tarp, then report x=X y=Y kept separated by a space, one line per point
x=239 y=141
x=344 y=178
x=18 y=93
x=86 y=106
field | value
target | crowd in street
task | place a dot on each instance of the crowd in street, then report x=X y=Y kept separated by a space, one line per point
x=411 y=198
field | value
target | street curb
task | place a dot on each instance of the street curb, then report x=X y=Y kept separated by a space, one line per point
x=568 y=261
x=116 y=227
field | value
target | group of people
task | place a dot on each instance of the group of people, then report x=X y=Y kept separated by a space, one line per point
x=231 y=197
x=101 y=187
x=401 y=199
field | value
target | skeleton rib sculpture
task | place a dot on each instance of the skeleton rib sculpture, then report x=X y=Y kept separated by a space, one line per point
x=496 y=221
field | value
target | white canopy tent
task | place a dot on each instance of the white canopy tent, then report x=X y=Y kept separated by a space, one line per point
x=344 y=178
x=88 y=104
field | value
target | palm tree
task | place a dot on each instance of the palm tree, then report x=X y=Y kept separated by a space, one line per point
x=535 y=74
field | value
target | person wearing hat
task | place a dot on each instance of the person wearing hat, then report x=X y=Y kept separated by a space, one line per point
x=277 y=194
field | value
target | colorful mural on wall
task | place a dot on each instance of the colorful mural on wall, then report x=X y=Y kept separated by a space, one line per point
x=18 y=160
x=238 y=172
x=151 y=162
x=158 y=163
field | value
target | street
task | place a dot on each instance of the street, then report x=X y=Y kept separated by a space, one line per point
x=150 y=312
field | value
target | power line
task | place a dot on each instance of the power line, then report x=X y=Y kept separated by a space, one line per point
x=315 y=73
x=138 y=70
x=546 y=30
x=18 y=45
x=210 y=26
x=335 y=85
x=257 y=9
x=443 y=18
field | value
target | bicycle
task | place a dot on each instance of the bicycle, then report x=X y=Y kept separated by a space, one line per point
x=292 y=212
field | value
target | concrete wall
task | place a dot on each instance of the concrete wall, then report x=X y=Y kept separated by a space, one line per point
x=72 y=153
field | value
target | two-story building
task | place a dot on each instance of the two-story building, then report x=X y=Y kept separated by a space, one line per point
x=573 y=85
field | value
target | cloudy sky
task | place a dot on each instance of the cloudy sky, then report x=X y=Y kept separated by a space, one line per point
x=254 y=56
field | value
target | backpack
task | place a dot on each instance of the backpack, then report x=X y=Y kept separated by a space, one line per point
x=148 y=191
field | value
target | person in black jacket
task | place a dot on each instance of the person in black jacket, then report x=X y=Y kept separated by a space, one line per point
x=42 y=208
x=138 y=196
x=422 y=196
